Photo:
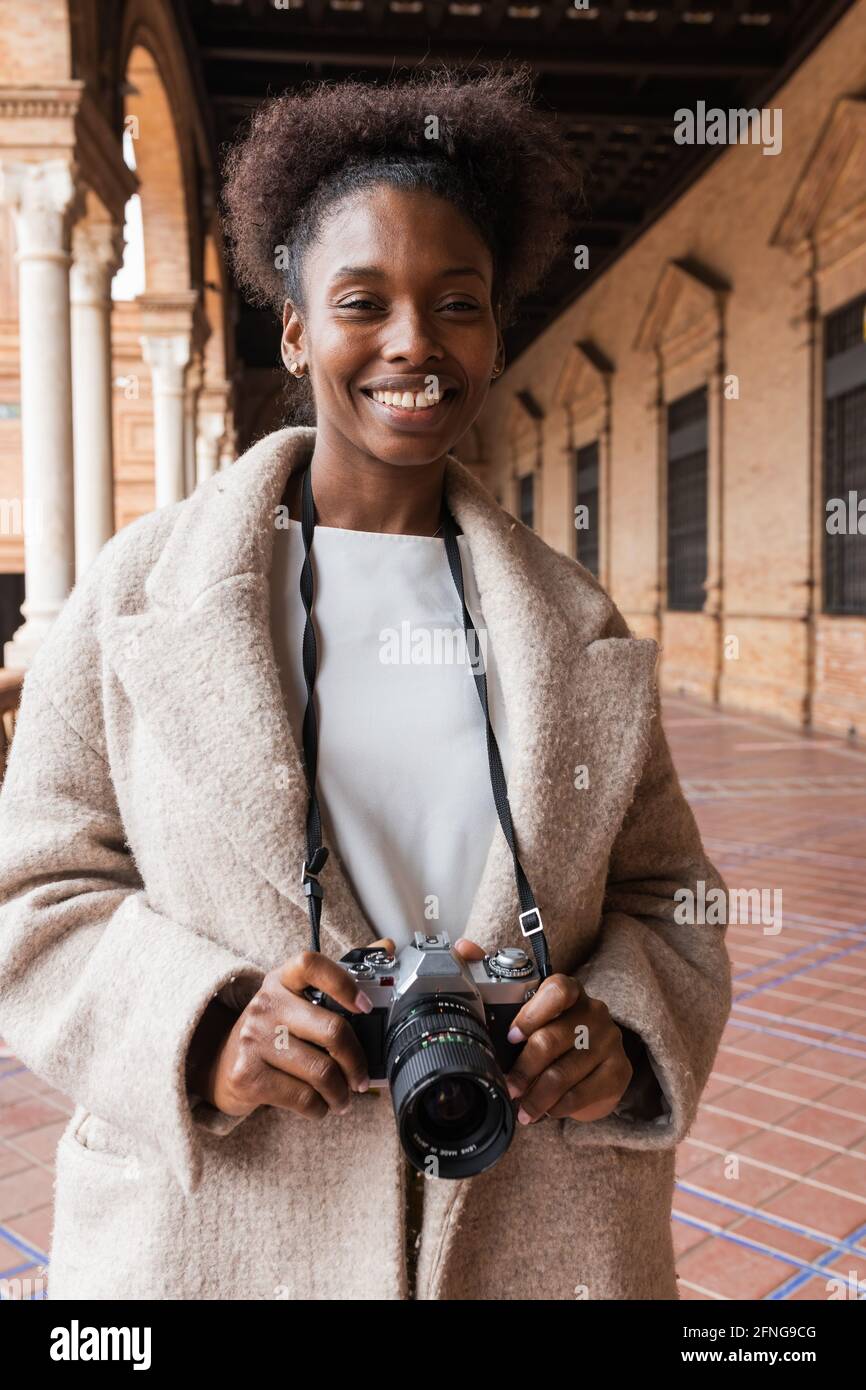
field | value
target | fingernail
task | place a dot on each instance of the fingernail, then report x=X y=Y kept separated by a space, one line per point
x=363 y=1002
x=514 y=1035
x=514 y=1088
x=523 y=1118
x=363 y=1085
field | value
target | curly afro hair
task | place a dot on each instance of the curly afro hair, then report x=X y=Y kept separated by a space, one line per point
x=492 y=154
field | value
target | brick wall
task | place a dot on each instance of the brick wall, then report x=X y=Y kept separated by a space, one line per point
x=743 y=302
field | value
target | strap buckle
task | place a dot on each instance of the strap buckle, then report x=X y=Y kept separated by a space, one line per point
x=311 y=870
x=530 y=912
x=311 y=885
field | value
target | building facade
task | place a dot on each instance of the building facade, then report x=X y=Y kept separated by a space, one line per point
x=703 y=405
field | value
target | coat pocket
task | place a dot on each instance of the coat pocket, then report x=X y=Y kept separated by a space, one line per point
x=91 y=1136
x=102 y=1232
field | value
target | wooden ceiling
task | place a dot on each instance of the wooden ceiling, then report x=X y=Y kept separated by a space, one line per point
x=615 y=72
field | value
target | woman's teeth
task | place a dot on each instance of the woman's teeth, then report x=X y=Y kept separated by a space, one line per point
x=406 y=400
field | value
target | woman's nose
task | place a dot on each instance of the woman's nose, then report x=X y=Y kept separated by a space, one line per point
x=411 y=339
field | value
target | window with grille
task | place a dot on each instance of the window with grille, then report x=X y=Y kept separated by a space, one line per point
x=687 y=502
x=527 y=499
x=586 y=500
x=845 y=458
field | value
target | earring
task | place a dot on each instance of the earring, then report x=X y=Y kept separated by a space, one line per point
x=295 y=367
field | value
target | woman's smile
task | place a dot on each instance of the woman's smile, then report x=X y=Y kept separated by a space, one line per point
x=411 y=409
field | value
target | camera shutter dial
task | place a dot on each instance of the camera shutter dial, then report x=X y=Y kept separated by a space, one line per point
x=510 y=963
x=361 y=969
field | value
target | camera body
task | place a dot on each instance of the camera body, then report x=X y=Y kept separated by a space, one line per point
x=436 y=1038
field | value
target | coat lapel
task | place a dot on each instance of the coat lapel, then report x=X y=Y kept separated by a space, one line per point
x=199 y=670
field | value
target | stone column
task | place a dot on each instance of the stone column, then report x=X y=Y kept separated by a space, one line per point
x=190 y=408
x=167 y=358
x=210 y=434
x=228 y=447
x=42 y=197
x=96 y=251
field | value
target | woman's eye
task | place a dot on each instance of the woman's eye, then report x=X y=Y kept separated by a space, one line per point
x=369 y=304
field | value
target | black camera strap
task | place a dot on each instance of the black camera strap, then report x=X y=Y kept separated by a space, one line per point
x=529 y=918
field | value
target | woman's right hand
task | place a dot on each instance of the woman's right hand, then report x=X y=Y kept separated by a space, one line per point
x=284 y=1050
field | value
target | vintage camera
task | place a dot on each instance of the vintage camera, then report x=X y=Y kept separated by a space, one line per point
x=436 y=1037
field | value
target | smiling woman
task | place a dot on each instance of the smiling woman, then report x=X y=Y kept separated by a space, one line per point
x=368 y=214
x=227 y=949
x=394 y=229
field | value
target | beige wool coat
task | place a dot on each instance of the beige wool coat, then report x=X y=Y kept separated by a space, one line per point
x=151 y=842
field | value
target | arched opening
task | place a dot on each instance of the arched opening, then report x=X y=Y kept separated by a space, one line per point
x=152 y=293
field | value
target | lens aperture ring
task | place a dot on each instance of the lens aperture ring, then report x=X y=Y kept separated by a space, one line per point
x=432 y=1018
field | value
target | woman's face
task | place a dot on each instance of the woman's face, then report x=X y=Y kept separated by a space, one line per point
x=398 y=290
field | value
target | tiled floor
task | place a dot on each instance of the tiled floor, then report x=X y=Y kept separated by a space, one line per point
x=771 y=1183
x=32 y=1117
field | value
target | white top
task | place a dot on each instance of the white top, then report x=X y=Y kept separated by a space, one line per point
x=403 y=776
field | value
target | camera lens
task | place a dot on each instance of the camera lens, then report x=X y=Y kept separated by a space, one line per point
x=454 y=1115
x=452 y=1103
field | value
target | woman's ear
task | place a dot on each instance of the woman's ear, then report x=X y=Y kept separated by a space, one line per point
x=292 y=341
x=499 y=359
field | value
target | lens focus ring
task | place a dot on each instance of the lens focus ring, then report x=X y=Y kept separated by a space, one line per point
x=431 y=1017
x=438 y=1059
x=440 y=1056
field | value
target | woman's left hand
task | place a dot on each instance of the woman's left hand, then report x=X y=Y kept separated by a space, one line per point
x=573 y=1065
